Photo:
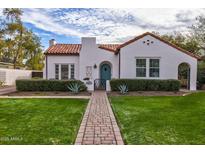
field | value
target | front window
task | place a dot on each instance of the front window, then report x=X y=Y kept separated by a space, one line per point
x=72 y=71
x=153 y=67
x=140 y=67
x=64 y=71
x=56 y=71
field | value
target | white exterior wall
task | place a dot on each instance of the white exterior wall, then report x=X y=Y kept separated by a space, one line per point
x=170 y=58
x=9 y=76
x=52 y=60
x=90 y=55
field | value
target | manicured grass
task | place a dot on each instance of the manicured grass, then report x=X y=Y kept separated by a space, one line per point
x=161 y=120
x=40 y=121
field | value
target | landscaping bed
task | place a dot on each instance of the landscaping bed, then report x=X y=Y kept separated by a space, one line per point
x=148 y=93
x=40 y=121
x=161 y=119
x=5 y=86
x=145 y=84
x=48 y=93
x=49 y=85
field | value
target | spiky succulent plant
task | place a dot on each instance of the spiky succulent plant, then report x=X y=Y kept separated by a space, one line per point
x=123 y=88
x=74 y=87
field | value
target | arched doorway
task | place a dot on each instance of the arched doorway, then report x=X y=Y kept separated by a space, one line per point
x=105 y=71
x=104 y=75
x=184 y=75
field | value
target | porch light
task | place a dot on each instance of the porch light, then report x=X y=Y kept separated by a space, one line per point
x=95 y=66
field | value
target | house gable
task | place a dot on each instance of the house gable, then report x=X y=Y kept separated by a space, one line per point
x=160 y=39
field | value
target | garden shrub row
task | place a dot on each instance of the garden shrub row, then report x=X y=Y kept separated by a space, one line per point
x=46 y=85
x=146 y=84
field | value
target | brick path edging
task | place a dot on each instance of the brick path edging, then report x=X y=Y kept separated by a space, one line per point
x=115 y=131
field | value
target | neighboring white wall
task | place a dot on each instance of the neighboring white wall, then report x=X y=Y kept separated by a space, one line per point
x=90 y=55
x=9 y=76
x=170 y=58
x=52 y=60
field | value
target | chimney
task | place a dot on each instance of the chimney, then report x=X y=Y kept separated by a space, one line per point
x=88 y=41
x=52 y=42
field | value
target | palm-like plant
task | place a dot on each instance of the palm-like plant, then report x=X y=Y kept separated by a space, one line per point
x=123 y=88
x=74 y=87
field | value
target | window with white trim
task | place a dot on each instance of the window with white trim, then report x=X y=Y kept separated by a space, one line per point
x=72 y=71
x=56 y=71
x=148 y=67
x=140 y=67
x=153 y=67
x=64 y=71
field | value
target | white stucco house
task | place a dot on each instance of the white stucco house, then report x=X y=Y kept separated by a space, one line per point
x=146 y=56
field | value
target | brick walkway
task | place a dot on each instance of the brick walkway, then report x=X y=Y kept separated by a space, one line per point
x=99 y=125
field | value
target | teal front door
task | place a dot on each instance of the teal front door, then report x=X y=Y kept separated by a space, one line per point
x=105 y=72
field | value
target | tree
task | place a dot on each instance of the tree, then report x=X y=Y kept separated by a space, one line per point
x=14 y=28
x=187 y=42
x=18 y=45
x=13 y=14
x=33 y=51
x=198 y=30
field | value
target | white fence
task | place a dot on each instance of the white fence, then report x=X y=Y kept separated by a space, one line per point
x=9 y=76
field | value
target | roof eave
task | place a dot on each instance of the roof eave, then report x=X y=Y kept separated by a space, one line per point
x=107 y=49
x=60 y=54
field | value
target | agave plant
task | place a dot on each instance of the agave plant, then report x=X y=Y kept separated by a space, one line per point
x=123 y=88
x=74 y=87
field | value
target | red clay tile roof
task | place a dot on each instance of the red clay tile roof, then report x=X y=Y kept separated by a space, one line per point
x=74 y=49
x=71 y=49
x=109 y=47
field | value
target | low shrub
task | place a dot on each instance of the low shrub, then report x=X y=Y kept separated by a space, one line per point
x=146 y=84
x=47 y=85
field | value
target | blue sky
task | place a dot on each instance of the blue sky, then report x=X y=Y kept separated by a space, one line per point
x=108 y=25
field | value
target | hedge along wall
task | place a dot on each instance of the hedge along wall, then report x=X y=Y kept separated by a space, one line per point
x=146 y=84
x=46 y=85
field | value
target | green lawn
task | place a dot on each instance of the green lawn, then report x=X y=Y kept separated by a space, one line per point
x=161 y=120
x=40 y=121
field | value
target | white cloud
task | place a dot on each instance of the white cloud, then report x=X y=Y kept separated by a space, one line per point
x=45 y=22
x=111 y=25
